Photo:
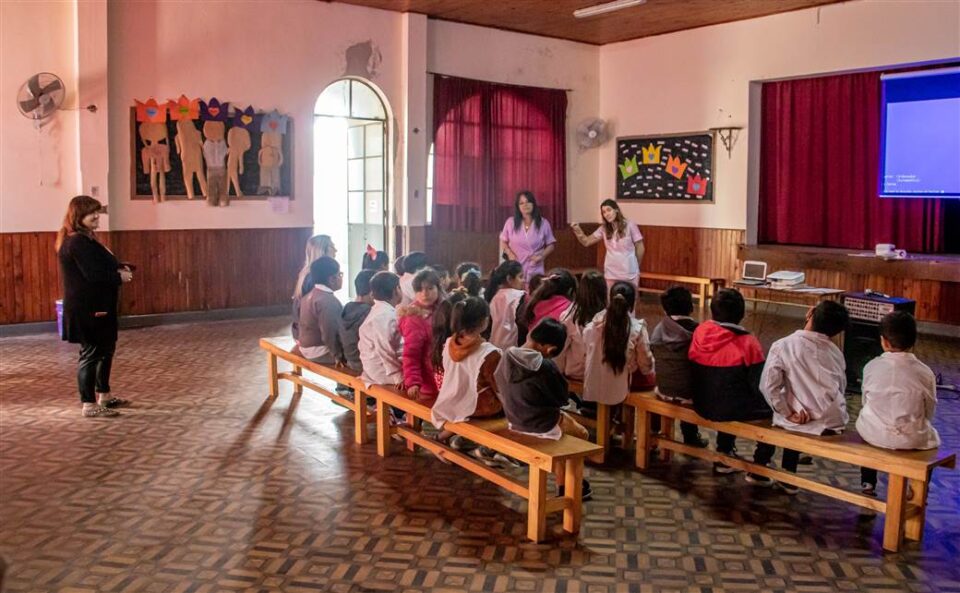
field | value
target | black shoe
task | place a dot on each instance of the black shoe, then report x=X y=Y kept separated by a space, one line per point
x=805 y=460
x=586 y=491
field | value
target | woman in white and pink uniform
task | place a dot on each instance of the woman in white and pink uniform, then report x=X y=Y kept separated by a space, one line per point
x=623 y=242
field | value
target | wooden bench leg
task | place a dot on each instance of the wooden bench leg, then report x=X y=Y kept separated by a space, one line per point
x=297 y=388
x=414 y=424
x=642 y=428
x=537 y=505
x=559 y=472
x=603 y=432
x=703 y=300
x=896 y=504
x=667 y=426
x=573 y=489
x=913 y=529
x=272 y=372
x=383 y=429
x=626 y=420
x=360 y=434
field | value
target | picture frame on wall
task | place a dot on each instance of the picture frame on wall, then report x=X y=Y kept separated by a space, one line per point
x=675 y=168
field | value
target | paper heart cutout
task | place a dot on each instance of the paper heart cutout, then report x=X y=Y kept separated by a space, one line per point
x=273 y=125
x=214 y=111
x=246 y=119
x=152 y=111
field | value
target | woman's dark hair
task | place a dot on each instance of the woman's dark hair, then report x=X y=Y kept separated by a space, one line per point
x=379 y=261
x=727 y=306
x=619 y=226
x=591 y=297
x=322 y=269
x=77 y=210
x=398 y=265
x=559 y=281
x=383 y=285
x=414 y=262
x=441 y=326
x=469 y=274
x=518 y=218
x=677 y=300
x=424 y=278
x=499 y=277
x=616 y=326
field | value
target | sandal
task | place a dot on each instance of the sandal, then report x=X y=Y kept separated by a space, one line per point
x=99 y=412
x=115 y=402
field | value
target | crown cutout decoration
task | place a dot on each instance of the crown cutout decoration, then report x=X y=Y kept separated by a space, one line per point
x=629 y=168
x=151 y=111
x=651 y=154
x=184 y=108
x=697 y=185
x=675 y=167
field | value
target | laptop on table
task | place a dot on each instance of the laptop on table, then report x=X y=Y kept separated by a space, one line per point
x=754 y=274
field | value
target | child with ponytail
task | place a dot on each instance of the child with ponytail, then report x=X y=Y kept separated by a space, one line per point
x=552 y=297
x=505 y=293
x=468 y=275
x=616 y=345
x=591 y=298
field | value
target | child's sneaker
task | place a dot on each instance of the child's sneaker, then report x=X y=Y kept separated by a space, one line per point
x=507 y=461
x=586 y=491
x=787 y=488
x=868 y=489
x=724 y=469
x=758 y=480
x=486 y=455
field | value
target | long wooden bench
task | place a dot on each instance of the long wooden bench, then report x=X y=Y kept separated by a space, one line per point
x=706 y=287
x=279 y=349
x=563 y=457
x=904 y=518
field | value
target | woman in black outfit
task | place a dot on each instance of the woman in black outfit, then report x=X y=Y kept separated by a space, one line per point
x=92 y=276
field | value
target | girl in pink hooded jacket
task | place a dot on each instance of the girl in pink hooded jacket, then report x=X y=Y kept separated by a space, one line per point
x=415 y=323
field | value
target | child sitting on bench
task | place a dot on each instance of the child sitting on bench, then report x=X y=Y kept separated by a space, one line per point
x=380 y=342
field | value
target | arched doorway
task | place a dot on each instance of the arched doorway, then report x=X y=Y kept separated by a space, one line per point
x=350 y=171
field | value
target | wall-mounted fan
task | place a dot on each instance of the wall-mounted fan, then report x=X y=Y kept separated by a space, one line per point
x=40 y=96
x=592 y=133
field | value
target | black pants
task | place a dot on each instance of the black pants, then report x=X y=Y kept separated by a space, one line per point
x=868 y=476
x=763 y=453
x=690 y=432
x=93 y=372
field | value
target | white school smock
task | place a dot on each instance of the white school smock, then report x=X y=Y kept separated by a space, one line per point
x=899 y=399
x=620 y=262
x=573 y=360
x=457 y=399
x=503 y=318
x=805 y=370
x=381 y=346
x=407 y=293
x=600 y=384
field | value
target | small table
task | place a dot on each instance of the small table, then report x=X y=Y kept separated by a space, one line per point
x=803 y=296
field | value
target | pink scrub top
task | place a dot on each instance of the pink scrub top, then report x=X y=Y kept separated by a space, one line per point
x=621 y=263
x=525 y=243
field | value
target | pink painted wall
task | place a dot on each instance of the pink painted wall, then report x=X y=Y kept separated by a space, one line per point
x=38 y=169
x=698 y=79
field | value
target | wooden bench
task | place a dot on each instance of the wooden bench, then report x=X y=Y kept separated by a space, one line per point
x=279 y=349
x=602 y=424
x=706 y=287
x=904 y=518
x=563 y=457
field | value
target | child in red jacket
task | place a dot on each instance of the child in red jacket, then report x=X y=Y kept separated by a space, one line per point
x=415 y=324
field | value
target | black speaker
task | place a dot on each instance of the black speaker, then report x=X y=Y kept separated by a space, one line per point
x=861 y=342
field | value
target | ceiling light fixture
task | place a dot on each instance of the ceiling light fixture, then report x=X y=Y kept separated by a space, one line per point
x=582 y=13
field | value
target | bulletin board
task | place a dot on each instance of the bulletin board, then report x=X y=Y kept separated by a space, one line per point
x=666 y=167
x=249 y=180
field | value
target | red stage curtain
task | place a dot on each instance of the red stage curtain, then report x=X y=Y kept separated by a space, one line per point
x=491 y=141
x=819 y=167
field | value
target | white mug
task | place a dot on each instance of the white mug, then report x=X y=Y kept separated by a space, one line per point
x=885 y=248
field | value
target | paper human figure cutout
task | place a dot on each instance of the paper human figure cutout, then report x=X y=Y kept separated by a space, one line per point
x=238 y=142
x=184 y=108
x=274 y=122
x=270 y=159
x=155 y=157
x=214 y=110
x=151 y=111
x=696 y=185
x=675 y=167
x=651 y=154
x=629 y=167
x=190 y=148
x=214 y=153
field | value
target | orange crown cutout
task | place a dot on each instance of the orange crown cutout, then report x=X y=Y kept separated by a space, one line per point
x=675 y=167
x=651 y=154
x=151 y=111
x=184 y=108
x=696 y=185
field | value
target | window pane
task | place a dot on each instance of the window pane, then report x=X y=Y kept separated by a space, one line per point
x=355 y=207
x=374 y=139
x=355 y=142
x=374 y=175
x=355 y=175
x=374 y=207
x=334 y=100
x=366 y=103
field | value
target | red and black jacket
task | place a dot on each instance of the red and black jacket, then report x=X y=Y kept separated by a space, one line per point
x=727 y=363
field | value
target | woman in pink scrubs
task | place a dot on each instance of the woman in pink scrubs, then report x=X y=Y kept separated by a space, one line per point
x=527 y=236
x=623 y=241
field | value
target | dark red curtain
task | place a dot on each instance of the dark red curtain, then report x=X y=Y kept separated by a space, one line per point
x=491 y=141
x=819 y=168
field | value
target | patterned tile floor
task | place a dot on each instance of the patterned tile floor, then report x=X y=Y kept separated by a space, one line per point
x=207 y=486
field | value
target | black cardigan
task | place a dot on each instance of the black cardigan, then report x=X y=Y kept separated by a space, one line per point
x=91 y=290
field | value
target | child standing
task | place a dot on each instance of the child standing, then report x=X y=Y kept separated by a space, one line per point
x=669 y=344
x=616 y=345
x=533 y=390
x=414 y=321
x=375 y=260
x=413 y=262
x=591 y=298
x=504 y=293
x=899 y=395
x=804 y=379
x=354 y=314
x=320 y=314
x=469 y=388
x=380 y=343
